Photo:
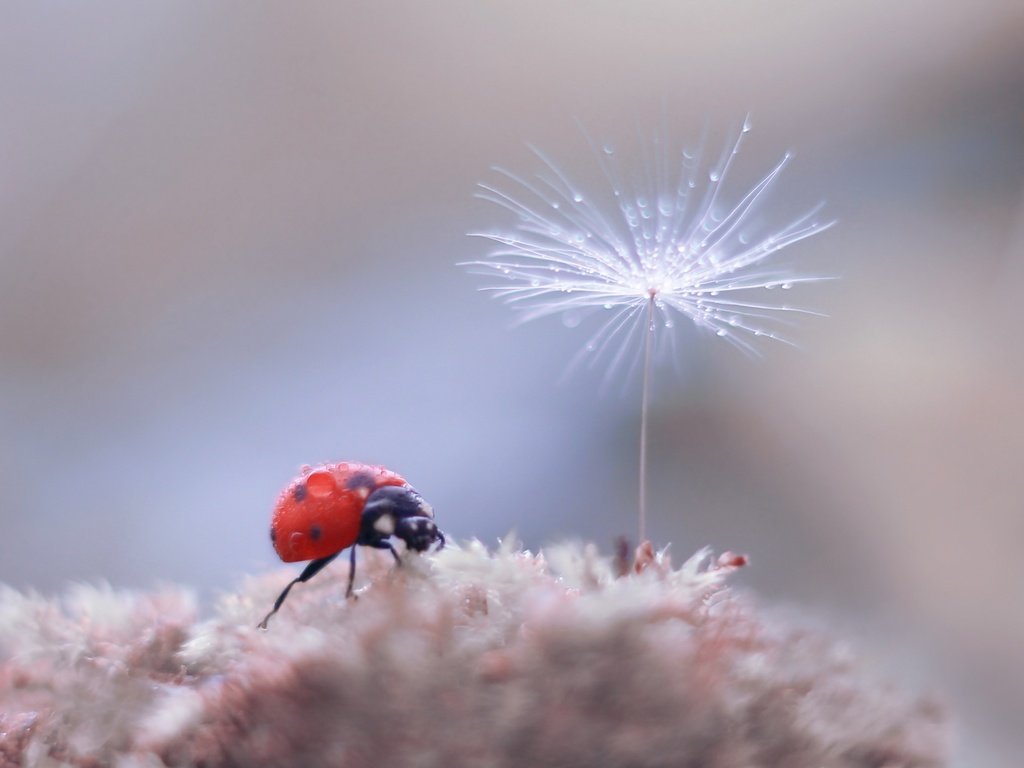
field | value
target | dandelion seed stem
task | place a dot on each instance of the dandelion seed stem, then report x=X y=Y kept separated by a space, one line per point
x=668 y=246
x=644 y=408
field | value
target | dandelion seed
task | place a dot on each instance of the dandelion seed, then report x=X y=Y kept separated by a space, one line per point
x=666 y=246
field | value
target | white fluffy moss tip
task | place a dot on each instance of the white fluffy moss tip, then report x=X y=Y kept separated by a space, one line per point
x=463 y=658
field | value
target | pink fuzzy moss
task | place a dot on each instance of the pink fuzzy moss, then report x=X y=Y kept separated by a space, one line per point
x=464 y=658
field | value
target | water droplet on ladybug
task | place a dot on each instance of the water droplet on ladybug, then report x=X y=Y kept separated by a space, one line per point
x=321 y=483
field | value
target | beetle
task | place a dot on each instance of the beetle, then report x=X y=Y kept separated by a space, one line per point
x=335 y=506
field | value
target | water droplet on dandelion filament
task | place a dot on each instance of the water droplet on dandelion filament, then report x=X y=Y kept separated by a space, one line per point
x=571 y=319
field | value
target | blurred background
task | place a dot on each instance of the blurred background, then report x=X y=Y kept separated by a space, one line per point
x=228 y=237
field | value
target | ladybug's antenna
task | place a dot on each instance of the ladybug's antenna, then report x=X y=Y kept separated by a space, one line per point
x=309 y=572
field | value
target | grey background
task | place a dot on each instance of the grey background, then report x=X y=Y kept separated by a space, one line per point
x=227 y=243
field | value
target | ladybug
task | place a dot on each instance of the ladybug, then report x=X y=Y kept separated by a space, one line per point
x=333 y=506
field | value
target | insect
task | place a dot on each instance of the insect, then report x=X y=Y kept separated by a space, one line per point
x=333 y=506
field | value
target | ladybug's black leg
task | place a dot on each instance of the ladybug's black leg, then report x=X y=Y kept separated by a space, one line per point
x=352 y=561
x=351 y=570
x=308 y=572
x=388 y=546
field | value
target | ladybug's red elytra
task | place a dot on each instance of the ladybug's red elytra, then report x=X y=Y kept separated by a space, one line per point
x=333 y=506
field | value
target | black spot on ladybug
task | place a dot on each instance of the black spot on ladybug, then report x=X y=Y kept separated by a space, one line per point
x=314 y=532
x=273 y=534
x=300 y=492
x=360 y=480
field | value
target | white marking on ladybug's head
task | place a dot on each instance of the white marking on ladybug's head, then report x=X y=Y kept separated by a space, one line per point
x=385 y=524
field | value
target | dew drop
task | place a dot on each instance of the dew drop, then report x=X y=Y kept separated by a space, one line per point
x=321 y=484
x=747 y=125
x=577 y=198
x=669 y=324
x=715 y=175
x=609 y=149
x=721 y=332
x=786 y=286
x=608 y=305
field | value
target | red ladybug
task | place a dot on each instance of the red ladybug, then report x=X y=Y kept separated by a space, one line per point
x=334 y=506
